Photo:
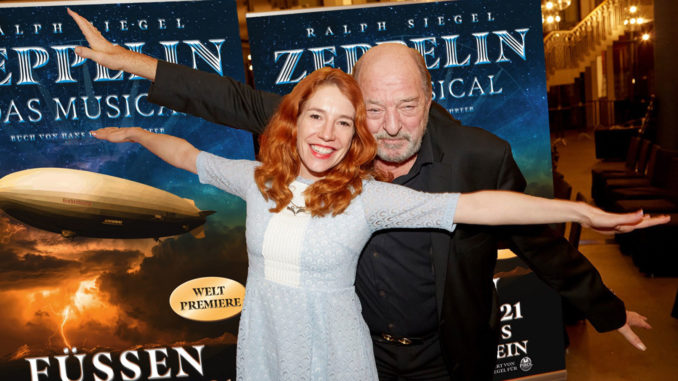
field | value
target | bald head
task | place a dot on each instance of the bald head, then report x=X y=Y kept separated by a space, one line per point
x=392 y=59
x=396 y=88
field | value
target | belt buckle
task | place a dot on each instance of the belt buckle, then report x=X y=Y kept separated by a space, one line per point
x=400 y=340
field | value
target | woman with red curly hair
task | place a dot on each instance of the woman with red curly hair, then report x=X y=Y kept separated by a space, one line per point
x=280 y=149
x=312 y=203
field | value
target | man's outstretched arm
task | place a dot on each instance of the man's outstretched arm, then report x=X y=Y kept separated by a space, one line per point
x=206 y=95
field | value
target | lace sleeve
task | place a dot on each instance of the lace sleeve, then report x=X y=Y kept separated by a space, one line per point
x=389 y=206
x=232 y=176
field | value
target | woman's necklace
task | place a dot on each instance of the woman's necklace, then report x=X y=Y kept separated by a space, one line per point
x=294 y=208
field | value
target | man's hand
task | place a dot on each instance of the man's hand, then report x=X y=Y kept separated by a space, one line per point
x=114 y=57
x=634 y=319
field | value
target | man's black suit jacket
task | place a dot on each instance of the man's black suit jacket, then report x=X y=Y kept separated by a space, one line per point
x=465 y=159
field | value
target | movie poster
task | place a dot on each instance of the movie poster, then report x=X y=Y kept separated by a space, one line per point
x=486 y=59
x=113 y=264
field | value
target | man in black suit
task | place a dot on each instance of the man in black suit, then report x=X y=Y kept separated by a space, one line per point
x=427 y=296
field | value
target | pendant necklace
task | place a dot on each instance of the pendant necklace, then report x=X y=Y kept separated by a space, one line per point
x=294 y=208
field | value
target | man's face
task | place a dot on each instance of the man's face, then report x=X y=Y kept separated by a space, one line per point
x=397 y=111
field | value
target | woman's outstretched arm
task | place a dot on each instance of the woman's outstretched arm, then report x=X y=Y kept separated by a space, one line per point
x=512 y=208
x=176 y=151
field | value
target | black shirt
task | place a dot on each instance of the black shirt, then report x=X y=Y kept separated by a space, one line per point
x=395 y=279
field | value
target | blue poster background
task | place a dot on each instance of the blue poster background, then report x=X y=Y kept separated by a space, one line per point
x=486 y=59
x=78 y=295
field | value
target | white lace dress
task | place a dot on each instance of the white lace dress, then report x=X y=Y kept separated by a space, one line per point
x=301 y=318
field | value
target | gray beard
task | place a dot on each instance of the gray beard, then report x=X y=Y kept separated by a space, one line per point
x=385 y=153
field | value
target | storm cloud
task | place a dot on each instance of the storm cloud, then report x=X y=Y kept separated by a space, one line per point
x=112 y=293
x=143 y=295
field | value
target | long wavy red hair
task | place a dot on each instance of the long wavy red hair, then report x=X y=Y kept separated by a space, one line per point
x=280 y=162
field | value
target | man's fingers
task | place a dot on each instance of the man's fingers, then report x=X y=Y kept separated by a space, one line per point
x=643 y=324
x=83 y=24
x=634 y=319
x=91 y=33
x=110 y=59
x=73 y=14
x=85 y=52
x=631 y=337
x=93 y=55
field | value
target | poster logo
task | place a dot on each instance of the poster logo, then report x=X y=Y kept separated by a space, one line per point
x=525 y=364
x=208 y=299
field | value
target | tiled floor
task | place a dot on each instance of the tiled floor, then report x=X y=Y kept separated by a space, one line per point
x=594 y=356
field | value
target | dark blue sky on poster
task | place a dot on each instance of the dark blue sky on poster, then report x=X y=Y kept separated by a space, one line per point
x=36 y=132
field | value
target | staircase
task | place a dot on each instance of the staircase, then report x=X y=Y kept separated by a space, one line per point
x=569 y=52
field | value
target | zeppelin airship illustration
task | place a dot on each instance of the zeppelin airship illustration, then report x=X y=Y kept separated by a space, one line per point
x=81 y=203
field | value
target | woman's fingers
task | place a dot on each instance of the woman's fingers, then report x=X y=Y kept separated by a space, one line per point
x=111 y=134
x=646 y=222
x=610 y=223
x=101 y=133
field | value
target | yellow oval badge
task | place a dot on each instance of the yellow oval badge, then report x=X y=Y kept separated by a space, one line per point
x=208 y=299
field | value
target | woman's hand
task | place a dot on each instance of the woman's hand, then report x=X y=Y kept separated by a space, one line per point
x=176 y=151
x=610 y=223
x=116 y=135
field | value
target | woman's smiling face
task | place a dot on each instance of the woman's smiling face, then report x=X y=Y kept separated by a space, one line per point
x=325 y=129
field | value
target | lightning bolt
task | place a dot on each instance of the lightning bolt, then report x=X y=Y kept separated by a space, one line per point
x=82 y=299
x=66 y=312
